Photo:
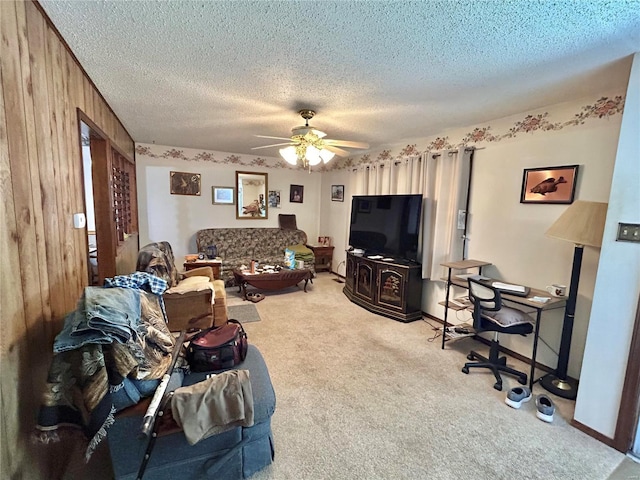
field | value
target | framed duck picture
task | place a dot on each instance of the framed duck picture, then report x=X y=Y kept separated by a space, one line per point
x=549 y=184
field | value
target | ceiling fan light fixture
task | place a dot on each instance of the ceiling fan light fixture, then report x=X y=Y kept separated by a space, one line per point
x=289 y=154
x=313 y=155
x=326 y=155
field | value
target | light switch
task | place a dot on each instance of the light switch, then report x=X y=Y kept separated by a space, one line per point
x=628 y=232
x=462 y=219
x=79 y=220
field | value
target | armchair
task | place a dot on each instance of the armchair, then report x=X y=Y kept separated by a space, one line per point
x=489 y=315
x=194 y=299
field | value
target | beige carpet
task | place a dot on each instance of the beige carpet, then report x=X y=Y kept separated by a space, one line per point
x=360 y=396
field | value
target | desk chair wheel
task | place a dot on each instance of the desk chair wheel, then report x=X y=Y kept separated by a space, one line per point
x=522 y=380
x=498 y=386
x=470 y=356
x=465 y=370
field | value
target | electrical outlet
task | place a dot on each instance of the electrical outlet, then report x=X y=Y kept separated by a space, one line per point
x=628 y=232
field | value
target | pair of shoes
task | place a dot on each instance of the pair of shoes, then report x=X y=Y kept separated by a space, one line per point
x=517 y=396
x=545 y=407
x=256 y=297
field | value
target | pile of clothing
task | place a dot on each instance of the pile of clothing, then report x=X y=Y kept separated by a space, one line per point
x=112 y=351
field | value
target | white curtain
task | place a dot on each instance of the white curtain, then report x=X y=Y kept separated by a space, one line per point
x=448 y=189
x=442 y=179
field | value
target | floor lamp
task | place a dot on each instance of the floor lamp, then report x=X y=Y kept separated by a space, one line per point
x=583 y=225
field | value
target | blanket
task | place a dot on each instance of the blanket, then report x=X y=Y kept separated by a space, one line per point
x=84 y=383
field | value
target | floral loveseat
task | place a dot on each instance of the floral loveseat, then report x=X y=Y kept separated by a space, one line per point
x=238 y=246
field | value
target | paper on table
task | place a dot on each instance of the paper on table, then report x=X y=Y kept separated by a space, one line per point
x=508 y=286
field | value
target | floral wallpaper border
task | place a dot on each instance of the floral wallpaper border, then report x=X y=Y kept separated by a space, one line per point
x=605 y=107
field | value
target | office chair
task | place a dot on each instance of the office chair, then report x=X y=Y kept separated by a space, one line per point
x=489 y=315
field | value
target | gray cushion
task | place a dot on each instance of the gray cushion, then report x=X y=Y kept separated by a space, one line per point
x=508 y=316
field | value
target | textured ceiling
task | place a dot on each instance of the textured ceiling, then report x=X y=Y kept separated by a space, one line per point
x=211 y=74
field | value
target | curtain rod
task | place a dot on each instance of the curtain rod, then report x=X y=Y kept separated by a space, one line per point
x=398 y=162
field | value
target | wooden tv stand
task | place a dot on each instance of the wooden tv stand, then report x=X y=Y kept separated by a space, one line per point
x=389 y=288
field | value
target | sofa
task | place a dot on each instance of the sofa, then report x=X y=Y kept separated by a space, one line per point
x=194 y=298
x=238 y=246
x=234 y=454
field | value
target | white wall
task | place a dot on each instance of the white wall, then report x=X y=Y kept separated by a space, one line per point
x=334 y=217
x=177 y=218
x=617 y=287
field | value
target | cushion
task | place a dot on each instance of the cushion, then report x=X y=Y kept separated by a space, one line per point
x=192 y=284
x=508 y=316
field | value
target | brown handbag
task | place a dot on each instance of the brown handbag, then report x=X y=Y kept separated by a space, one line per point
x=218 y=348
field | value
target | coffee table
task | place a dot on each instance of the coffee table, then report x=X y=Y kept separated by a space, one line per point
x=271 y=281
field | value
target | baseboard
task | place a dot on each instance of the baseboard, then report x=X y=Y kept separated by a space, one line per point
x=595 y=434
x=340 y=279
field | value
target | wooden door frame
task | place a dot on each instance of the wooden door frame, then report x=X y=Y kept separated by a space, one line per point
x=627 y=423
x=102 y=201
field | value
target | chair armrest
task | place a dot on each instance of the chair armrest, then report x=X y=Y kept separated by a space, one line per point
x=200 y=271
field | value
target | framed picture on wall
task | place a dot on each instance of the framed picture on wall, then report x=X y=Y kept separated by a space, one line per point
x=274 y=198
x=184 y=183
x=223 y=195
x=337 y=193
x=296 y=193
x=549 y=184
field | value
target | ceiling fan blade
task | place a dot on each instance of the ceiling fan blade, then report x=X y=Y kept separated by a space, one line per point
x=274 y=145
x=275 y=138
x=338 y=151
x=346 y=143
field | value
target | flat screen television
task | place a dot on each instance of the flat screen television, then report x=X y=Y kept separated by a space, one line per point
x=386 y=225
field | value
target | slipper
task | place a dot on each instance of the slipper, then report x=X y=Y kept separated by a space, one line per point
x=256 y=297
x=249 y=295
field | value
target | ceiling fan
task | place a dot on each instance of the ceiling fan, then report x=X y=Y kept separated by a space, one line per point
x=309 y=144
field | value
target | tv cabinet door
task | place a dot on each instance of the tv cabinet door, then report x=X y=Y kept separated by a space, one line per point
x=350 y=274
x=365 y=279
x=391 y=284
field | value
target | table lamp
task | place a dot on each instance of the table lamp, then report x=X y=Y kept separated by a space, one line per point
x=582 y=224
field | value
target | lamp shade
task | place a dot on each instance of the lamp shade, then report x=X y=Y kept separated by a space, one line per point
x=326 y=155
x=313 y=155
x=289 y=154
x=582 y=223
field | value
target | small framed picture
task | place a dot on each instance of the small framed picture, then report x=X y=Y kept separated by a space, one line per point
x=184 y=183
x=296 y=193
x=549 y=184
x=337 y=193
x=223 y=195
x=274 y=198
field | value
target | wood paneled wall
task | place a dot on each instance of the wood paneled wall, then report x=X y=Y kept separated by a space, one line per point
x=44 y=261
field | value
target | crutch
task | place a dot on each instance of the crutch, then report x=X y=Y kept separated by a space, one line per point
x=157 y=406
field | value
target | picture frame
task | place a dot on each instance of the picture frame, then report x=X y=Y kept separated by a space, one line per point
x=549 y=184
x=274 y=199
x=185 y=183
x=223 y=195
x=296 y=193
x=337 y=193
x=324 y=241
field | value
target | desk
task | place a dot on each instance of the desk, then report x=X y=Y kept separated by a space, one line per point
x=553 y=303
